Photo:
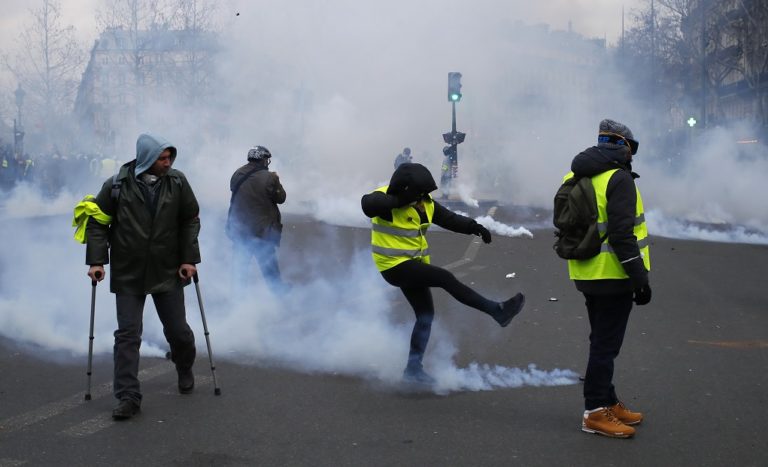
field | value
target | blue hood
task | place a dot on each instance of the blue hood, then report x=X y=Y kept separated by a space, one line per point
x=148 y=149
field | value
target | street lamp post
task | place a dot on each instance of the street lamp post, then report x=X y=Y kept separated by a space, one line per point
x=18 y=128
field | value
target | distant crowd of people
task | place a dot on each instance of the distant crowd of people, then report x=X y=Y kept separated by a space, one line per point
x=53 y=171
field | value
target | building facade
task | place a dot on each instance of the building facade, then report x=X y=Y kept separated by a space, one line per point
x=133 y=75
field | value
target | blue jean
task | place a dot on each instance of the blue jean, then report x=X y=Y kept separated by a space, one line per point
x=265 y=253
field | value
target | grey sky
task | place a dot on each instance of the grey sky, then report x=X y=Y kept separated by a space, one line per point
x=594 y=18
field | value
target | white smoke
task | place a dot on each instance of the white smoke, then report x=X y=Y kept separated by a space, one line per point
x=663 y=226
x=500 y=228
x=335 y=112
x=465 y=194
x=484 y=377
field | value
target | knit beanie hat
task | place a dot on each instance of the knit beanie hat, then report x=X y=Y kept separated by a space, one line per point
x=612 y=134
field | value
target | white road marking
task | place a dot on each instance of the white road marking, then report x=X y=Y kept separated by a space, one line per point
x=11 y=462
x=471 y=252
x=102 y=421
x=90 y=426
x=53 y=409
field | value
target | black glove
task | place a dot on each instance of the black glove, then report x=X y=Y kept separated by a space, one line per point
x=643 y=295
x=482 y=232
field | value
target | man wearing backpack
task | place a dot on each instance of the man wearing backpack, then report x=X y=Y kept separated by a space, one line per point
x=254 y=223
x=615 y=276
x=151 y=245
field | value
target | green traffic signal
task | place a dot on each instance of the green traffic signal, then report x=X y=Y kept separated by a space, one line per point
x=454 y=86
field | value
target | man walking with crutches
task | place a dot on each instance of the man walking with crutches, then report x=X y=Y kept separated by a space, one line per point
x=152 y=241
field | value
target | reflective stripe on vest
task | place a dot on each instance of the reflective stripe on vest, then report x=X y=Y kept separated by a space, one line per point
x=606 y=264
x=402 y=239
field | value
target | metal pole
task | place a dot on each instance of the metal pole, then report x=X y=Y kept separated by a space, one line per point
x=455 y=161
x=703 y=7
x=90 y=336
x=15 y=138
x=216 y=388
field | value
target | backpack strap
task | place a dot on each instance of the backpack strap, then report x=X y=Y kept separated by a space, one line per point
x=114 y=195
x=241 y=181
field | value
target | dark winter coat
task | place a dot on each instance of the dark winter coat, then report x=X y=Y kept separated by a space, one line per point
x=409 y=182
x=621 y=206
x=145 y=249
x=253 y=210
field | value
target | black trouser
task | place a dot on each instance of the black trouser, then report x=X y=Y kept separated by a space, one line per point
x=608 y=316
x=130 y=311
x=415 y=278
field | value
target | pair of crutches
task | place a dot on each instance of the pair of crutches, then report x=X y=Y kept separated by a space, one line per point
x=216 y=388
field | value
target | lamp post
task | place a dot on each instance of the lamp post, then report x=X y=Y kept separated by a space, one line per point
x=18 y=128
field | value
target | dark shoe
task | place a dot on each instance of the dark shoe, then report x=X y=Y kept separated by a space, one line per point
x=417 y=376
x=125 y=409
x=509 y=309
x=186 y=381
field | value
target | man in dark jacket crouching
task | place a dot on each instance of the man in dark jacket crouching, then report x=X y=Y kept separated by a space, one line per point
x=153 y=243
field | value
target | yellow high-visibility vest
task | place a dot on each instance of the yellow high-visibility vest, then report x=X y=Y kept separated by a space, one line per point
x=606 y=265
x=402 y=239
x=83 y=211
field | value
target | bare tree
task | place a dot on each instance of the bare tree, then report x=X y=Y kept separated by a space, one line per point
x=195 y=19
x=131 y=27
x=167 y=42
x=47 y=65
x=193 y=15
x=658 y=57
x=687 y=48
x=752 y=35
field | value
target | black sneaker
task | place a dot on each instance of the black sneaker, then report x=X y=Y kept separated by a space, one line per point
x=125 y=409
x=509 y=309
x=186 y=381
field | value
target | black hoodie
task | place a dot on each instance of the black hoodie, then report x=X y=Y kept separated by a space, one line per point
x=409 y=183
x=621 y=205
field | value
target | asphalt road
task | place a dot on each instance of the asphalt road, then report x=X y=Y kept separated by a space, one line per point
x=694 y=361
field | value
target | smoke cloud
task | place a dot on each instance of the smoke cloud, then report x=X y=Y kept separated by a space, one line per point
x=335 y=90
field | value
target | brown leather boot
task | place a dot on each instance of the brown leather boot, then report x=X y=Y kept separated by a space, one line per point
x=625 y=415
x=603 y=422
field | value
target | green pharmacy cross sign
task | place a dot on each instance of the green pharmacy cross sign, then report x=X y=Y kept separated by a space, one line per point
x=691 y=122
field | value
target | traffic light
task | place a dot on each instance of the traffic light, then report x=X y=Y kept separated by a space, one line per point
x=454 y=86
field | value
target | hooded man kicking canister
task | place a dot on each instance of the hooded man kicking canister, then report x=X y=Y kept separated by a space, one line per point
x=401 y=213
x=152 y=241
